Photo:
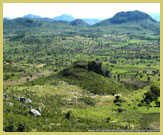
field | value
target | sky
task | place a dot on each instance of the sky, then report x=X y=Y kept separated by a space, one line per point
x=77 y=10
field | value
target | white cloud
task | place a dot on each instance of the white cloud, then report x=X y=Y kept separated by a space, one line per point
x=78 y=10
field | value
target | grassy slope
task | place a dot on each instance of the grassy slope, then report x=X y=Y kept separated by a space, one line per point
x=86 y=95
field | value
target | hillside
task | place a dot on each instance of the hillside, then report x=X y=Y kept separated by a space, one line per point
x=32 y=25
x=74 y=77
x=130 y=16
x=86 y=76
x=78 y=22
x=133 y=20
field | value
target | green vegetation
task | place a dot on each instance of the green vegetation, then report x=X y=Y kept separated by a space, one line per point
x=79 y=77
x=152 y=95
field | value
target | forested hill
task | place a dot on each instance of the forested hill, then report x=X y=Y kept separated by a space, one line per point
x=136 y=21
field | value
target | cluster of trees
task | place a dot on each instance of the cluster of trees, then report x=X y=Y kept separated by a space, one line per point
x=152 y=95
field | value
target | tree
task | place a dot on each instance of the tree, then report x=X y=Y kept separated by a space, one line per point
x=156 y=90
x=148 y=78
x=152 y=95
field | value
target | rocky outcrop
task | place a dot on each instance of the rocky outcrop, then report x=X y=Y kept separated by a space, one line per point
x=24 y=100
x=35 y=112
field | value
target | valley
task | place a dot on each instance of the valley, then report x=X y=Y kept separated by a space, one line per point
x=82 y=77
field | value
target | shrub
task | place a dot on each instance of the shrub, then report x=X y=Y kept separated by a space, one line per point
x=88 y=100
x=152 y=95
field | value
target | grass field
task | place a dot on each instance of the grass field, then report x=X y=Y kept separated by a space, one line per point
x=81 y=78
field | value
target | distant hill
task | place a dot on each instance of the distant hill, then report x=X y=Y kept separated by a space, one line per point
x=31 y=16
x=84 y=74
x=32 y=25
x=78 y=22
x=64 y=17
x=131 y=20
x=118 y=18
x=123 y=17
x=22 y=22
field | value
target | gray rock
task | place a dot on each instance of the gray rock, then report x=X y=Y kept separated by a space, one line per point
x=24 y=100
x=4 y=96
x=40 y=109
x=28 y=101
x=35 y=112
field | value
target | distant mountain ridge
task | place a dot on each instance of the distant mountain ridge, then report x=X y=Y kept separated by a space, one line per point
x=118 y=18
x=64 y=17
x=124 y=21
x=31 y=16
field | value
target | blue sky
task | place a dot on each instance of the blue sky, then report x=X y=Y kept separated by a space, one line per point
x=78 y=10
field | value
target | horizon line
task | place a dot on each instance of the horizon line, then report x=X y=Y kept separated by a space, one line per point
x=99 y=18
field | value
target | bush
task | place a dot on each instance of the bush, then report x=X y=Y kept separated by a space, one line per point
x=117 y=99
x=157 y=102
x=88 y=100
x=152 y=95
x=12 y=123
x=155 y=90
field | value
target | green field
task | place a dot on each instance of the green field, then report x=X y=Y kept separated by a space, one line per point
x=81 y=77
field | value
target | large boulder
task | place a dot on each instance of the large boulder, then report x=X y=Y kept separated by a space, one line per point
x=35 y=112
x=28 y=101
x=24 y=100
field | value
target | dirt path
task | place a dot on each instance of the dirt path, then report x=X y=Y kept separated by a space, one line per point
x=24 y=79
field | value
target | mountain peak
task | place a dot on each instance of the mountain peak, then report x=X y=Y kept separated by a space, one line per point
x=64 y=17
x=123 y=17
x=78 y=22
x=31 y=16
